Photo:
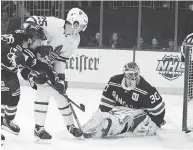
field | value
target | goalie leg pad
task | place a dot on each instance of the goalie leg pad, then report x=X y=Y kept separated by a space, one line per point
x=146 y=127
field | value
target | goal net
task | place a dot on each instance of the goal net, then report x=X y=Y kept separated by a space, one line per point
x=187 y=123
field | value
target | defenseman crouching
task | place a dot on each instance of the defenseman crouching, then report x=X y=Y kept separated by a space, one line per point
x=128 y=104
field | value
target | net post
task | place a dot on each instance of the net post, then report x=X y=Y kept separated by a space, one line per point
x=185 y=97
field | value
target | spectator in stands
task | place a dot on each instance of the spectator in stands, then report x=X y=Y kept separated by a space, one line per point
x=115 y=41
x=143 y=45
x=155 y=44
x=170 y=47
x=4 y=22
x=95 y=41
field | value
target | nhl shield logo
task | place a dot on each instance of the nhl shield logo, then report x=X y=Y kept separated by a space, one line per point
x=170 y=67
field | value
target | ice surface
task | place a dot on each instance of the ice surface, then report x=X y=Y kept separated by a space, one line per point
x=169 y=137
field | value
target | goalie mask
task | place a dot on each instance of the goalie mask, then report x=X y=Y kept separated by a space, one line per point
x=78 y=19
x=131 y=72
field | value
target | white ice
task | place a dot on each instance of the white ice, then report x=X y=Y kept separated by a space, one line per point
x=169 y=137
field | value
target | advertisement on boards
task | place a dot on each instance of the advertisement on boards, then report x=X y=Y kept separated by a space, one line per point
x=96 y=65
x=161 y=69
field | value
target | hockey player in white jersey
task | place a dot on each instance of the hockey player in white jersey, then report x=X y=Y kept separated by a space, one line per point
x=62 y=40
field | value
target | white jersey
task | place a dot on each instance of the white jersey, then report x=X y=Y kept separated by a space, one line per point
x=54 y=31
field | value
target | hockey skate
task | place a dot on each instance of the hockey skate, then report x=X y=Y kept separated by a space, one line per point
x=2 y=139
x=74 y=131
x=10 y=126
x=42 y=136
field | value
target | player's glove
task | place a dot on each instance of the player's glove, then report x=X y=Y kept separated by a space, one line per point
x=60 y=84
x=35 y=78
x=49 y=53
x=38 y=78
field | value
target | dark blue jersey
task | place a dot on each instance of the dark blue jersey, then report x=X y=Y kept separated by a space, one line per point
x=16 y=40
x=144 y=96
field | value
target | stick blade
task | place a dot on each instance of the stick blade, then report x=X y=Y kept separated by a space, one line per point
x=82 y=107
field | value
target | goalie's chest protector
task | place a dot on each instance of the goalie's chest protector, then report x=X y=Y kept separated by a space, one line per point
x=131 y=98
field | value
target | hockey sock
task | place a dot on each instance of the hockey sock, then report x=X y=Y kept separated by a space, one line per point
x=11 y=107
x=40 y=112
x=10 y=112
x=66 y=114
x=5 y=96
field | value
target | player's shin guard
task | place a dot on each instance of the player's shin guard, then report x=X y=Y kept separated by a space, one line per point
x=40 y=112
x=66 y=113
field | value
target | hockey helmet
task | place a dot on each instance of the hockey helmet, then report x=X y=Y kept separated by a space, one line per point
x=132 y=73
x=79 y=17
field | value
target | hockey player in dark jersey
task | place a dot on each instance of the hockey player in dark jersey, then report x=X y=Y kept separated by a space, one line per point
x=10 y=91
x=13 y=47
x=128 y=104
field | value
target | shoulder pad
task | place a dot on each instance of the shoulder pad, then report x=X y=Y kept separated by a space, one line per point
x=117 y=78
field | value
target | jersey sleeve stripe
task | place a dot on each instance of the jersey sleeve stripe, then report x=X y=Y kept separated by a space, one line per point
x=65 y=58
x=159 y=112
x=107 y=105
x=114 y=84
x=4 y=89
x=157 y=109
x=28 y=53
x=141 y=91
x=111 y=100
x=107 y=102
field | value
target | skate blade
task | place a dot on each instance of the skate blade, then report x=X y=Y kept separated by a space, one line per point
x=2 y=142
x=40 y=141
x=9 y=130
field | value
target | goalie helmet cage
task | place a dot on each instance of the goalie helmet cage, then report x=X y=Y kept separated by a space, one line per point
x=188 y=90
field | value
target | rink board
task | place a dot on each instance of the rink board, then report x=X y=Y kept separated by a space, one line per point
x=92 y=68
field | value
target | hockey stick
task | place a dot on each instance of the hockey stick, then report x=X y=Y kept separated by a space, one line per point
x=70 y=101
x=81 y=107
